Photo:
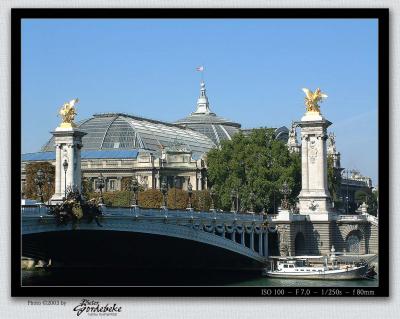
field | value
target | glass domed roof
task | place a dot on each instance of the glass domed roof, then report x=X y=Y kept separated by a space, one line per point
x=123 y=131
x=208 y=123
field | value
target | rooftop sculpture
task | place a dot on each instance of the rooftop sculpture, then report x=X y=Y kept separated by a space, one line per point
x=312 y=99
x=67 y=113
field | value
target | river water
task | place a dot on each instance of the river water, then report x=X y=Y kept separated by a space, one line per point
x=134 y=277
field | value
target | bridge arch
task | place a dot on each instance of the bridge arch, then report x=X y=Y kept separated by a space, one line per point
x=353 y=227
x=355 y=238
x=354 y=242
x=208 y=233
x=129 y=250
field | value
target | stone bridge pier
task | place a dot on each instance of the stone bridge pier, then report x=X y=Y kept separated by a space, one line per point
x=304 y=235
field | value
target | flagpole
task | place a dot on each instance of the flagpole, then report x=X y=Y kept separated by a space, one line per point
x=201 y=70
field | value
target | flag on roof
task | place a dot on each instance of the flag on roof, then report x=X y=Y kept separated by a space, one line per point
x=200 y=68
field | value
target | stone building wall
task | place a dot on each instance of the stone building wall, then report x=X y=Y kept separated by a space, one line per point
x=316 y=238
x=374 y=240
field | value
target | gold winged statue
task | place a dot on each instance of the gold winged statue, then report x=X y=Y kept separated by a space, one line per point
x=67 y=113
x=312 y=99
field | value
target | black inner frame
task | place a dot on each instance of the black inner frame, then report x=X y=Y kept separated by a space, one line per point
x=17 y=290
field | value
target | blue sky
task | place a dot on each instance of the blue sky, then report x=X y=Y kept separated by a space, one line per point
x=254 y=72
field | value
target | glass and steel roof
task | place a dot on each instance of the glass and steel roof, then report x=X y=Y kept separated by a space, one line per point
x=281 y=133
x=204 y=121
x=108 y=131
x=216 y=132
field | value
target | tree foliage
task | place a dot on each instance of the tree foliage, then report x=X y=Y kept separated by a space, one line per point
x=87 y=188
x=177 y=199
x=152 y=198
x=201 y=200
x=369 y=197
x=258 y=164
x=31 y=190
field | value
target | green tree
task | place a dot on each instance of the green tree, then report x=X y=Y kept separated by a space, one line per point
x=87 y=188
x=201 y=200
x=177 y=198
x=373 y=202
x=361 y=196
x=151 y=198
x=369 y=197
x=31 y=190
x=334 y=182
x=258 y=164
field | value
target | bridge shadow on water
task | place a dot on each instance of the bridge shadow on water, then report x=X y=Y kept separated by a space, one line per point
x=110 y=258
x=135 y=277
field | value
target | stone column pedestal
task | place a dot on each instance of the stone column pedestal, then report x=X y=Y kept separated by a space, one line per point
x=314 y=196
x=68 y=143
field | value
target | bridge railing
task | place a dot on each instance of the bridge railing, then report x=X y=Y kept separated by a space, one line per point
x=34 y=210
x=119 y=211
x=38 y=210
x=363 y=217
x=351 y=217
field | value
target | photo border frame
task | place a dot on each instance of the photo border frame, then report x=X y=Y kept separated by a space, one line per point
x=17 y=290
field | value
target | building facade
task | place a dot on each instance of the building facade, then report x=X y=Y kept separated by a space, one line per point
x=119 y=145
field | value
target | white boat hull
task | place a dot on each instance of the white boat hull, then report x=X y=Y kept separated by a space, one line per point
x=337 y=274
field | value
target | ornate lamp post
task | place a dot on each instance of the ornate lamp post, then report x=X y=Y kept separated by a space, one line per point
x=285 y=191
x=175 y=180
x=100 y=185
x=49 y=187
x=251 y=200
x=39 y=181
x=164 y=191
x=233 y=197
x=212 y=195
x=265 y=206
x=237 y=201
x=190 y=192
x=65 y=166
x=134 y=187
x=346 y=172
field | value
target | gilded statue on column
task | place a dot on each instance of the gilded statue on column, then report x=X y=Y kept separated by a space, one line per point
x=313 y=98
x=67 y=113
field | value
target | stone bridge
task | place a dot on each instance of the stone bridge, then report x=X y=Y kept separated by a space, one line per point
x=232 y=236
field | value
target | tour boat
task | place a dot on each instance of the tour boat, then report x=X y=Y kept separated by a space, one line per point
x=300 y=268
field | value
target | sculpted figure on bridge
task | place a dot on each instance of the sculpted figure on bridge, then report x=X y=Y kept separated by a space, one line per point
x=313 y=98
x=75 y=207
x=67 y=113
